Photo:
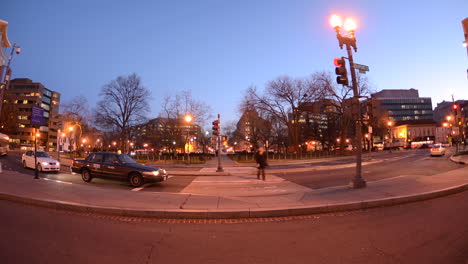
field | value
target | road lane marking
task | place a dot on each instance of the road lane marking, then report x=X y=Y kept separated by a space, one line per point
x=45 y=179
x=141 y=188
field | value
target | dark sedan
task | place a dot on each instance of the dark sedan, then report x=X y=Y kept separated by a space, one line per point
x=116 y=166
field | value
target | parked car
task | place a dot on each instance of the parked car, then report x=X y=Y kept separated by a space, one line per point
x=116 y=166
x=437 y=150
x=44 y=161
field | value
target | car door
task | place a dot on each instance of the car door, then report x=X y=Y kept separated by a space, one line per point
x=112 y=168
x=94 y=163
x=30 y=159
x=27 y=159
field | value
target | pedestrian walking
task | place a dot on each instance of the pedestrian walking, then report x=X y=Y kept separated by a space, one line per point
x=261 y=160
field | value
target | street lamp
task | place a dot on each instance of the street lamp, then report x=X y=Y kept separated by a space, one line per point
x=451 y=132
x=58 y=144
x=6 y=79
x=188 y=119
x=350 y=42
x=36 y=172
x=390 y=138
x=71 y=129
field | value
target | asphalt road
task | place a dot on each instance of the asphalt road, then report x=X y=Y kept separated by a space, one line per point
x=433 y=231
x=413 y=162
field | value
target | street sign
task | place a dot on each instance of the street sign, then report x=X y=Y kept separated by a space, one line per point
x=361 y=68
x=37 y=116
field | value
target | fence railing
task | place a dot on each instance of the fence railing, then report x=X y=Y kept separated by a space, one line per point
x=249 y=157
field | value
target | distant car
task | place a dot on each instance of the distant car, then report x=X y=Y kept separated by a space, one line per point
x=116 y=166
x=437 y=150
x=44 y=161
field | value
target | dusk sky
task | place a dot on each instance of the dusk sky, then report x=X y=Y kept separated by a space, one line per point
x=218 y=48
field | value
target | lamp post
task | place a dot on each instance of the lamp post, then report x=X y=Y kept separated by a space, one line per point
x=58 y=143
x=389 y=125
x=7 y=76
x=188 y=119
x=350 y=42
x=36 y=172
x=71 y=129
x=449 y=123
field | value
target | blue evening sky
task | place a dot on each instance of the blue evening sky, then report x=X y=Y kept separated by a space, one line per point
x=217 y=48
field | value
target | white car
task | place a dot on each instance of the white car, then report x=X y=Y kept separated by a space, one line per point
x=437 y=150
x=44 y=161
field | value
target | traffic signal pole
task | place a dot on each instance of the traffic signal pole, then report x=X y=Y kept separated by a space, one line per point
x=220 y=166
x=357 y=181
x=350 y=41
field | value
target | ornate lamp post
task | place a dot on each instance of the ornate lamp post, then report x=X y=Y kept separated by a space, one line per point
x=59 y=135
x=71 y=129
x=350 y=42
x=390 y=139
x=7 y=76
x=188 y=119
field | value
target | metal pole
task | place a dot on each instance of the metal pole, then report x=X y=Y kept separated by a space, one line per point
x=358 y=181
x=58 y=146
x=188 y=146
x=7 y=76
x=220 y=166
x=36 y=172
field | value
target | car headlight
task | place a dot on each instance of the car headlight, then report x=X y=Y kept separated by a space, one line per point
x=45 y=163
x=152 y=173
x=58 y=163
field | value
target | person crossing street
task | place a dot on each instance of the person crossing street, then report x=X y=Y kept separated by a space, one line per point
x=261 y=160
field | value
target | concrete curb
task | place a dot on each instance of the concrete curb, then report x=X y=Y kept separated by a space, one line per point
x=232 y=213
x=457 y=159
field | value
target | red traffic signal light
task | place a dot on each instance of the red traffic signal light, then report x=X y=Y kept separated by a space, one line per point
x=455 y=107
x=338 y=62
x=341 y=71
x=216 y=128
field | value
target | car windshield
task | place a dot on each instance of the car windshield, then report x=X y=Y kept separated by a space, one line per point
x=436 y=146
x=42 y=154
x=126 y=159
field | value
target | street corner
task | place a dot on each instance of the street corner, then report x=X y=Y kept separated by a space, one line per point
x=460 y=159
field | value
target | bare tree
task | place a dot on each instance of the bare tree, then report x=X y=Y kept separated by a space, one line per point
x=123 y=104
x=174 y=108
x=282 y=99
x=76 y=110
x=253 y=129
x=341 y=97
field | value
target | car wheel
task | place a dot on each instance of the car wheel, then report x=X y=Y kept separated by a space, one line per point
x=136 y=180
x=24 y=164
x=86 y=175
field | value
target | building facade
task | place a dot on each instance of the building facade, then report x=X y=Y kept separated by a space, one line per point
x=403 y=106
x=21 y=95
x=168 y=134
x=320 y=123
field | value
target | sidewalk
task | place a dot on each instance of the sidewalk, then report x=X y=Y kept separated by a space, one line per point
x=240 y=195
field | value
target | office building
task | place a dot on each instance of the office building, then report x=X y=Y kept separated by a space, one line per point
x=21 y=95
x=403 y=106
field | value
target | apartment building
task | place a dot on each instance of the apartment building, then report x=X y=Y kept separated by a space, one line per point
x=21 y=95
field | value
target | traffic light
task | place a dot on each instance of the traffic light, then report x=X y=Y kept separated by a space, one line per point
x=341 y=71
x=216 y=128
x=455 y=107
